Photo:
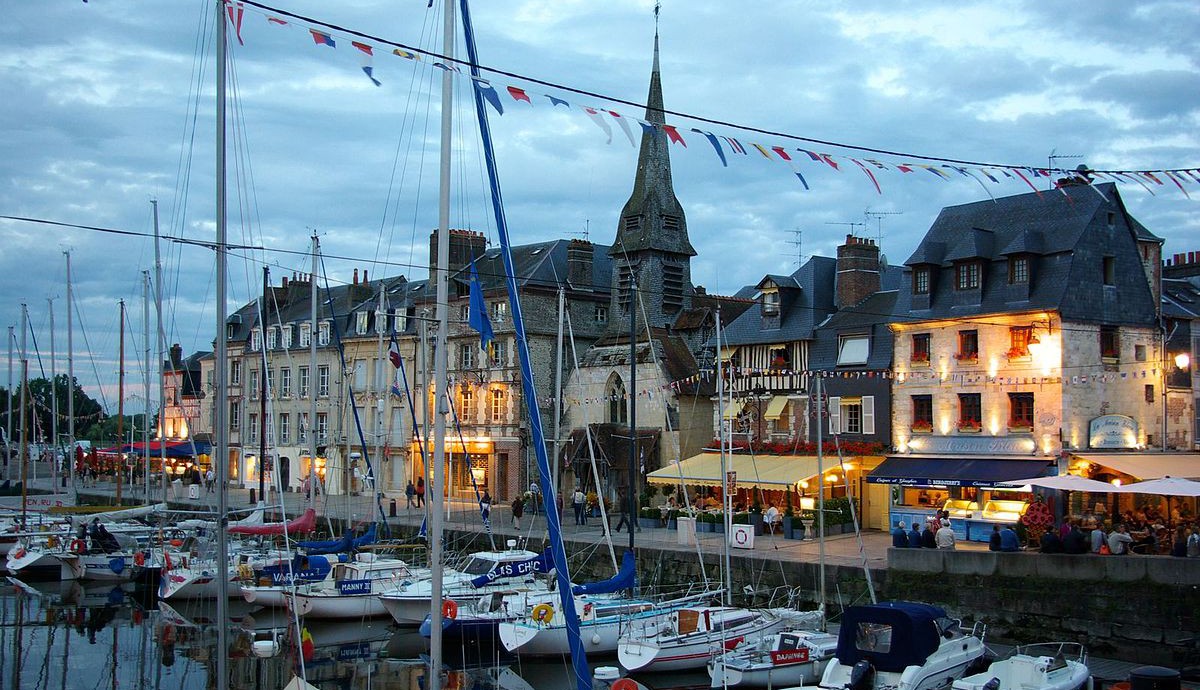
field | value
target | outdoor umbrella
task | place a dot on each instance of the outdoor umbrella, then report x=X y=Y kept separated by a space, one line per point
x=1069 y=482
x=1167 y=486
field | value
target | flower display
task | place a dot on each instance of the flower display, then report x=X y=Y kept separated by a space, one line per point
x=1037 y=519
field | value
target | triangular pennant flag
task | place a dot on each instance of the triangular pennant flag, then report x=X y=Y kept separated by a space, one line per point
x=712 y=139
x=276 y=20
x=600 y=122
x=624 y=126
x=519 y=95
x=235 y=17
x=406 y=54
x=673 y=135
x=761 y=149
x=322 y=39
x=735 y=145
x=489 y=94
x=869 y=174
x=557 y=101
x=368 y=58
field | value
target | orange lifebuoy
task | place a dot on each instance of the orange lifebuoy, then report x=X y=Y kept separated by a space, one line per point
x=77 y=546
x=625 y=684
x=139 y=559
x=19 y=553
x=449 y=609
x=542 y=613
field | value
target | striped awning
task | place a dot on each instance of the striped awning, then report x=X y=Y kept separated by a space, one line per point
x=775 y=407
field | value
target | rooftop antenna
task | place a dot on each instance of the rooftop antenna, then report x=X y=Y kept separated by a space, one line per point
x=798 y=242
x=878 y=216
x=585 y=233
x=852 y=225
x=1055 y=156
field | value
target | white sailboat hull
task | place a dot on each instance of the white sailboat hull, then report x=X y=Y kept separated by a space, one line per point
x=337 y=605
x=531 y=639
x=21 y=561
x=640 y=649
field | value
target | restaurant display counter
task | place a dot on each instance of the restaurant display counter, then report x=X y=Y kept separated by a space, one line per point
x=968 y=519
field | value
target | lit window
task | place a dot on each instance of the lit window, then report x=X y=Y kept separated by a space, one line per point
x=920 y=348
x=1018 y=270
x=1020 y=410
x=968 y=345
x=497 y=406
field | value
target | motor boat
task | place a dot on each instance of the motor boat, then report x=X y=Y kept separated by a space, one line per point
x=271 y=584
x=689 y=636
x=353 y=589
x=471 y=584
x=901 y=646
x=791 y=657
x=1045 y=666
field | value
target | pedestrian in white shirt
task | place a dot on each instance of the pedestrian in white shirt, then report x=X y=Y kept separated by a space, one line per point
x=945 y=536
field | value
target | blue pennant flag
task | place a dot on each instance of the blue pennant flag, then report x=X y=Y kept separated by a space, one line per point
x=477 y=316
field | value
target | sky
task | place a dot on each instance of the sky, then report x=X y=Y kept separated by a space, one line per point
x=111 y=103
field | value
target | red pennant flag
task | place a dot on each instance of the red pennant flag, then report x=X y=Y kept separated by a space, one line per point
x=363 y=47
x=519 y=94
x=235 y=18
x=322 y=39
x=673 y=135
x=782 y=153
x=829 y=159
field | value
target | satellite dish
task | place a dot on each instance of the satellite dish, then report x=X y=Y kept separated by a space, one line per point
x=883 y=264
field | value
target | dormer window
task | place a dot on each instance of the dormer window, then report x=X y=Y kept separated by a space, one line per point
x=853 y=349
x=1018 y=270
x=921 y=280
x=770 y=302
x=966 y=276
x=360 y=322
x=323 y=334
x=286 y=337
x=305 y=334
x=255 y=340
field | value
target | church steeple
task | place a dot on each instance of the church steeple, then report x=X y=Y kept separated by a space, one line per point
x=652 y=240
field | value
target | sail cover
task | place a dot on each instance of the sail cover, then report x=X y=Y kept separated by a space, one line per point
x=542 y=563
x=347 y=543
x=626 y=578
x=304 y=523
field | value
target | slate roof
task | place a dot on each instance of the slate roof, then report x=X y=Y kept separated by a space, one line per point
x=1180 y=298
x=871 y=317
x=541 y=264
x=1065 y=232
x=801 y=307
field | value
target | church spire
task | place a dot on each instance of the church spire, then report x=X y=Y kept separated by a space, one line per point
x=652 y=246
x=652 y=217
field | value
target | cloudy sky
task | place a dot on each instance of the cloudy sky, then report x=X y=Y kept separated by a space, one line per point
x=109 y=104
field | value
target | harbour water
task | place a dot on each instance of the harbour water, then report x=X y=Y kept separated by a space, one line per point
x=61 y=635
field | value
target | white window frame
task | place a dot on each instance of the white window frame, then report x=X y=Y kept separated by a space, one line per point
x=466 y=356
x=285 y=426
x=286 y=336
x=235 y=415
x=360 y=322
x=601 y=314
x=853 y=349
x=302 y=432
x=272 y=338
x=304 y=381
x=255 y=340
x=359 y=381
x=322 y=426
x=838 y=416
x=235 y=373
x=323 y=381
x=285 y=382
x=497 y=405
x=305 y=334
x=499 y=312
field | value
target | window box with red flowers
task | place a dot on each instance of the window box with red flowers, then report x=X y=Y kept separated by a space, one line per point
x=967 y=357
x=919 y=359
x=1021 y=426
x=922 y=426
x=1017 y=353
x=1112 y=355
x=971 y=426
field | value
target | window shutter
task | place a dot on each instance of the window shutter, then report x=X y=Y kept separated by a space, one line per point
x=868 y=414
x=835 y=415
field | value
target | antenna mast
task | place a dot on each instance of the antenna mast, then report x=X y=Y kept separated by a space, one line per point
x=1055 y=156
x=798 y=242
x=878 y=216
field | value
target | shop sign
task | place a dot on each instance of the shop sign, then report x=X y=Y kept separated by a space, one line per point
x=1112 y=431
x=974 y=445
x=731 y=483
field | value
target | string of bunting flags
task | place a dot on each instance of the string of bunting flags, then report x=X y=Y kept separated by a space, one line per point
x=724 y=146
x=707 y=375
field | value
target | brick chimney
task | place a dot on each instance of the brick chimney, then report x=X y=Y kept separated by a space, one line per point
x=857 y=271
x=176 y=356
x=579 y=264
x=1182 y=265
x=464 y=244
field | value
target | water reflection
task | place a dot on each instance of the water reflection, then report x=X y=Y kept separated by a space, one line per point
x=64 y=635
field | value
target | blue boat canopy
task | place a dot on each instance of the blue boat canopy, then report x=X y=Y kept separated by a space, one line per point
x=626 y=578
x=891 y=635
x=906 y=470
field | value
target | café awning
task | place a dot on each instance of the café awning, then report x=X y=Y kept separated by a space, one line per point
x=929 y=470
x=1148 y=465
x=733 y=409
x=775 y=407
x=773 y=472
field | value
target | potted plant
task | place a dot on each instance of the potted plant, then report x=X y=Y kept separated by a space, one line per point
x=789 y=517
x=969 y=426
x=922 y=426
x=919 y=357
x=649 y=516
x=967 y=357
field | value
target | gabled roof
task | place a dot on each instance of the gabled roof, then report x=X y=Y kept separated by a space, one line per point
x=810 y=304
x=975 y=243
x=541 y=264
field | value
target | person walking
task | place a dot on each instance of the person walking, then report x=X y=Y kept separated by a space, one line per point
x=518 y=510
x=577 y=500
x=420 y=492
x=410 y=495
x=625 y=519
x=209 y=479
x=485 y=505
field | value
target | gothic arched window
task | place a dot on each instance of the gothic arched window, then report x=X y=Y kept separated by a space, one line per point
x=618 y=411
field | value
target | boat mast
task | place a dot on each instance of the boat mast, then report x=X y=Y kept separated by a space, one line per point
x=8 y=430
x=631 y=395
x=70 y=372
x=146 y=383
x=24 y=403
x=558 y=356
x=820 y=492
x=160 y=336
x=262 y=384
x=381 y=401
x=53 y=402
x=312 y=377
x=440 y=354
x=726 y=502
x=121 y=404
x=221 y=405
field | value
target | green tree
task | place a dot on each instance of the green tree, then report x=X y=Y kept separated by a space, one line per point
x=87 y=411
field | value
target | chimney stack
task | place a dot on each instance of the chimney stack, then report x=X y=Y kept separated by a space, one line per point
x=355 y=277
x=464 y=245
x=365 y=281
x=580 y=254
x=176 y=356
x=857 y=271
